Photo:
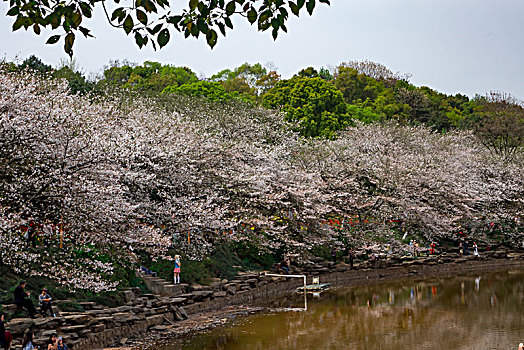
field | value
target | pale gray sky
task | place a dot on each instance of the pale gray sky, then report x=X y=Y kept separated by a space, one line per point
x=467 y=46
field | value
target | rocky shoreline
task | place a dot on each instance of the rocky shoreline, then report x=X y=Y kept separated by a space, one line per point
x=201 y=307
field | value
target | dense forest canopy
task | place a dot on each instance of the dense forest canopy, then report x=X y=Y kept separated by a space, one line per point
x=152 y=156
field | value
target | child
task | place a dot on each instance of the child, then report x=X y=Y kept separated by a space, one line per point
x=176 y=271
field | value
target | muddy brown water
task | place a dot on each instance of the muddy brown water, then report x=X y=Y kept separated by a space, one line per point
x=483 y=311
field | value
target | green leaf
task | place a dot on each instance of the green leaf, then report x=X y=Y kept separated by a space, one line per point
x=294 y=8
x=149 y=6
x=222 y=28
x=202 y=26
x=139 y=39
x=174 y=20
x=228 y=22
x=252 y=16
x=141 y=16
x=275 y=24
x=128 y=24
x=85 y=31
x=275 y=33
x=230 y=8
x=193 y=4
x=117 y=13
x=310 y=6
x=211 y=38
x=86 y=9
x=53 y=39
x=194 y=30
x=76 y=18
x=155 y=29
x=68 y=44
x=18 y=23
x=13 y=11
x=300 y=3
x=54 y=19
x=36 y=28
x=163 y=37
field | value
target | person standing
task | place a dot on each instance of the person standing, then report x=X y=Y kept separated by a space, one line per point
x=475 y=249
x=432 y=250
x=351 y=258
x=176 y=271
x=22 y=299
x=334 y=254
x=466 y=247
x=5 y=337
x=45 y=303
x=31 y=234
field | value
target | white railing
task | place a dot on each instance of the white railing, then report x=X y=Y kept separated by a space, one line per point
x=293 y=276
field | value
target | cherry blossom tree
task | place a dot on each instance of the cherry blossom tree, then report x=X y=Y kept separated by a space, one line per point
x=121 y=175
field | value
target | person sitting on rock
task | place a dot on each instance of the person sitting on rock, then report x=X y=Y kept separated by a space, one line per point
x=284 y=265
x=45 y=303
x=61 y=345
x=27 y=344
x=22 y=299
x=5 y=337
x=52 y=343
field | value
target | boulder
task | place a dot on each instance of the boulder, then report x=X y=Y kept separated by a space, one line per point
x=177 y=315
x=72 y=329
x=76 y=319
x=108 y=320
x=120 y=309
x=19 y=326
x=252 y=282
x=178 y=301
x=98 y=328
x=124 y=317
x=230 y=289
x=219 y=294
x=129 y=295
x=201 y=295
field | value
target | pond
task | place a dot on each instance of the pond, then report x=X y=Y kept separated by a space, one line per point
x=466 y=312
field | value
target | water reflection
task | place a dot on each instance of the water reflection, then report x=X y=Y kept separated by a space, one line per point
x=481 y=312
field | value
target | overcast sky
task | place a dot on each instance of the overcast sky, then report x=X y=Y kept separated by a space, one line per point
x=466 y=46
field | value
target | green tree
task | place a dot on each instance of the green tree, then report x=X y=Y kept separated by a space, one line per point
x=150 y=76
x=213 y=91
x=150 y=21
x=357 y=87
x=309 y=72
x=325 y=74
x=315 y=105
x=247 y=80
x=35 y=63
x=501 y=127
x=77 y=82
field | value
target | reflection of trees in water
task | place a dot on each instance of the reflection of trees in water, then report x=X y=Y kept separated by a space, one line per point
x=452 y=313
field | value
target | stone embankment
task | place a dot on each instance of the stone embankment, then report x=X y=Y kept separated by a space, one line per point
x=99 y=326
